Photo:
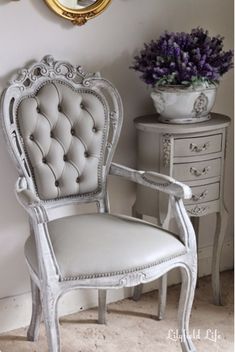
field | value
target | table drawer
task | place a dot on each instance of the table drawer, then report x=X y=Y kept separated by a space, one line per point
x=205 y=193
x=197 y=170
x=198 y=145
x=203 y=209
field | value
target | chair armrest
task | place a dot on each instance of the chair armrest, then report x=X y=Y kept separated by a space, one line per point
x=153 y=180
x=30 y=202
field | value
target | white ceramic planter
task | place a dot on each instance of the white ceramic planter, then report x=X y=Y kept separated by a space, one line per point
x=183 y=105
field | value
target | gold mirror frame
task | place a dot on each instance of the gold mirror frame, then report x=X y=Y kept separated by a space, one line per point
x=81 y=16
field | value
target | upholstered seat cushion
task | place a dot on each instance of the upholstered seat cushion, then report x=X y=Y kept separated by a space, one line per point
x=95 y=245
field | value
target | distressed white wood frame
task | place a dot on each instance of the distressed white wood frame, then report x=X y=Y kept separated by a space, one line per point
x=47 y=287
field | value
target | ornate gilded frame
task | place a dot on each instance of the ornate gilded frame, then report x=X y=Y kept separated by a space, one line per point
x=81 y=16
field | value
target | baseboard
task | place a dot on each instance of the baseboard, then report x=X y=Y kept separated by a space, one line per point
x=15 y=311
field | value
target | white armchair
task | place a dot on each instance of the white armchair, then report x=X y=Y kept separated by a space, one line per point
x=62 y=126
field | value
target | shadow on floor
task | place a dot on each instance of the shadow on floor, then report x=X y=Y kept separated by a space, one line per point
x=80 y=321
x=133 y=314
x=13 y=338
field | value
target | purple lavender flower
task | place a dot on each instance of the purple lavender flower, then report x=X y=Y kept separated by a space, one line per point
x=183 y=59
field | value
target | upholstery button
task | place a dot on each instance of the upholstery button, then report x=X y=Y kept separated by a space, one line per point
x=86 y=154
x=65 y=158
x=52 y=134
x=38 y=109
x=31 y=137
x=82 y=106
x=59 y=108
x=94 y=129
x=57 y=183
x=77 y=179
x=72 y=131
x=44 y=160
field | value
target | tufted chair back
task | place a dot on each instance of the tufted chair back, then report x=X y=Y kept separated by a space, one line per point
x=63 y=125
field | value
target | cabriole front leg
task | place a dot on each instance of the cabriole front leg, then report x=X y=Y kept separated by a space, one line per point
x=221 y=226
x=50 y=313
x=33 y=330
x=189 y=278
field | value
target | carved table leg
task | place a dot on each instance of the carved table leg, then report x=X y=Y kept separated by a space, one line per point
x=136 y=214
x=221 y=225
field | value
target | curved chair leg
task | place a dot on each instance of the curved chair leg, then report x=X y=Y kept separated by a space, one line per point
x=33 y=330
x=189 y=278
x=137 y=292
x=49 y=306
x=162 y=294
x=102 y=306
x=221 y=225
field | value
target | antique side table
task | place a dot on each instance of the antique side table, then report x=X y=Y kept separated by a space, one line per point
x=195 y=155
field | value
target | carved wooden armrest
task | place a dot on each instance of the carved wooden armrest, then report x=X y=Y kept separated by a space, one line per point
x=168 y=185
x=25 y=196
x=30 y=202
x=153 y=180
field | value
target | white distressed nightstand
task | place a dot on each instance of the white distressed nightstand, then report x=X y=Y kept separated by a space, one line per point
x=193 y=154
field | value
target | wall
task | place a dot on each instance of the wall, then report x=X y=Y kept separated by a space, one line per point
x=30 y=30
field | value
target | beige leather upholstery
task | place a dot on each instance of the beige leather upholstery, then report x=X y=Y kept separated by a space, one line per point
x=95 y=245
x=64 y=133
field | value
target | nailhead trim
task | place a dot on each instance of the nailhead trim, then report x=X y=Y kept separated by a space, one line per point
x=122 y=272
